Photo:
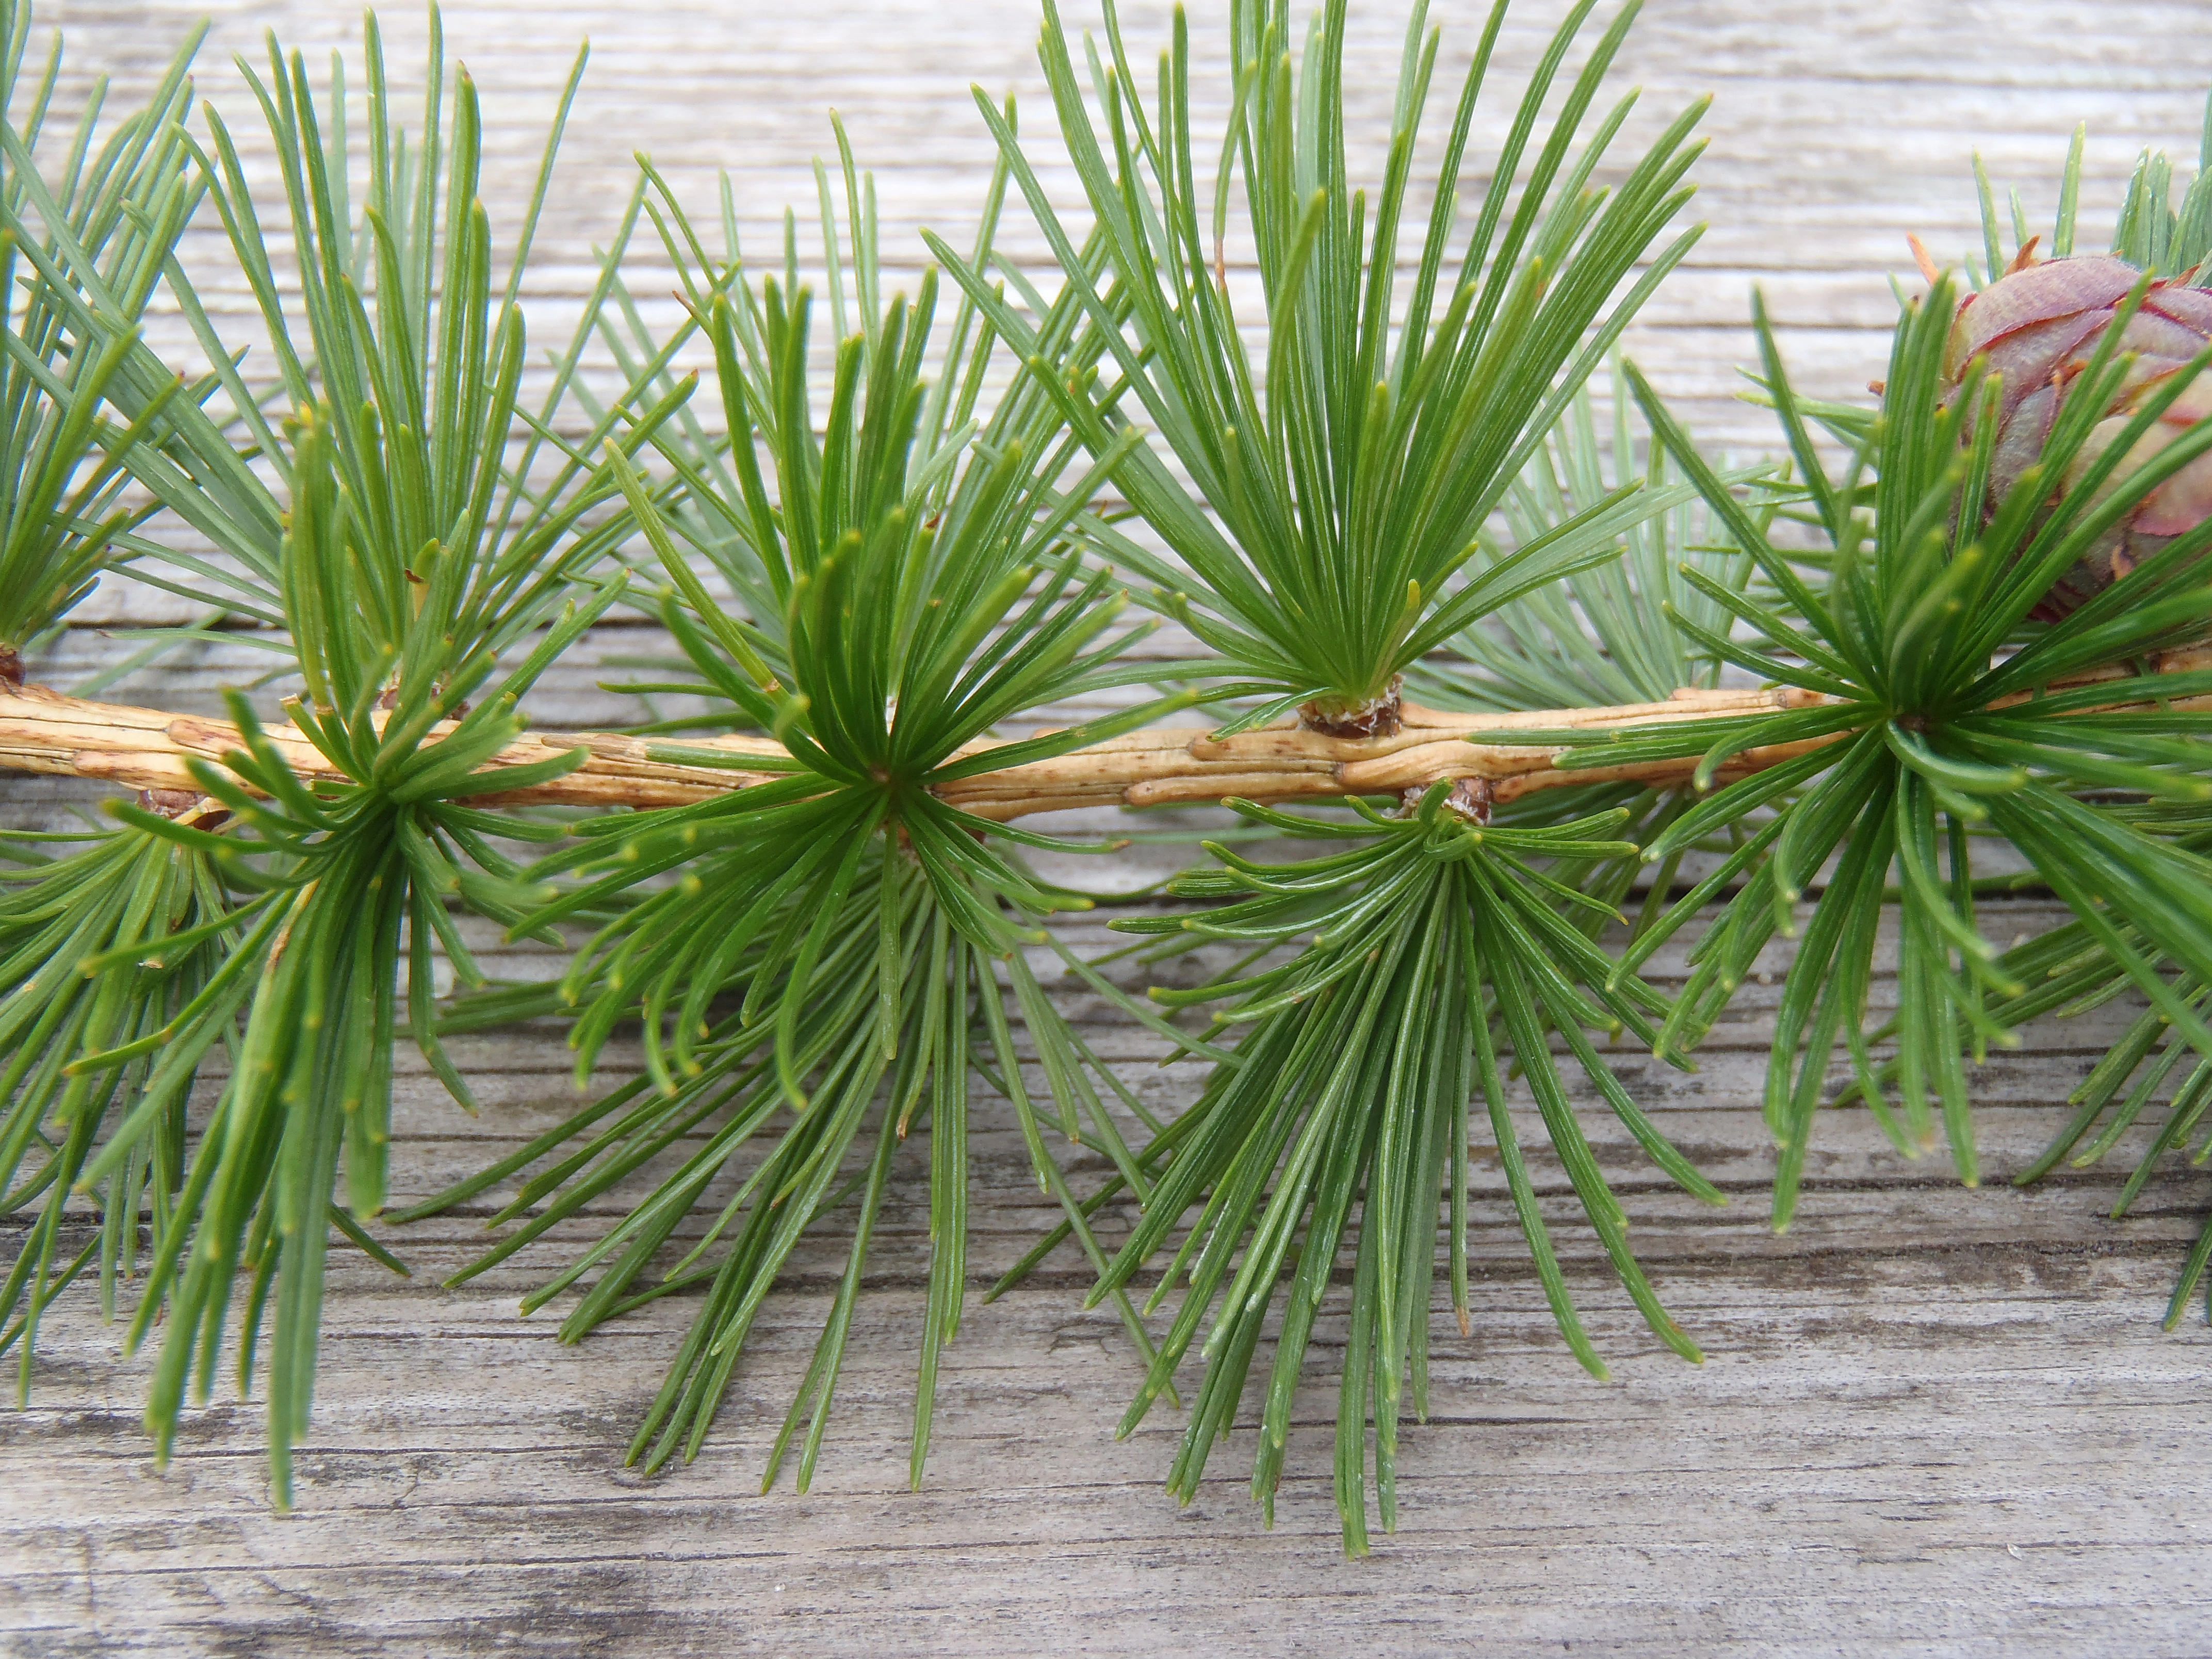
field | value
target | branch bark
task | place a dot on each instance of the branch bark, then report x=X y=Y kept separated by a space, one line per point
x=46 y=731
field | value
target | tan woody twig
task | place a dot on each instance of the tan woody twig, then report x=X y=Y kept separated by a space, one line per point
x=43 y=731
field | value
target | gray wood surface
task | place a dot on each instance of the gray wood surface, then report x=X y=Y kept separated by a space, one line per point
x=1930 y=1420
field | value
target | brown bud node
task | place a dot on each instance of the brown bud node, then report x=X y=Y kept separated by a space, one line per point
x=1375 y=717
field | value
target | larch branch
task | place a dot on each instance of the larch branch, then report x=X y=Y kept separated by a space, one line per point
x=47 y=731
